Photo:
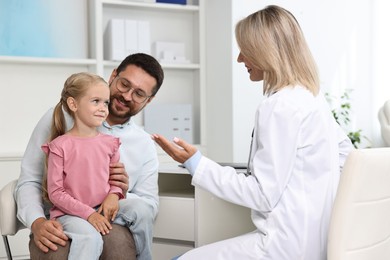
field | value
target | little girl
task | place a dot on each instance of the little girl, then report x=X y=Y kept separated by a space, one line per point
x=78 y=160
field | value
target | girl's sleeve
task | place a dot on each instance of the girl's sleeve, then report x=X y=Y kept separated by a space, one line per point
x=55 y=186
x=114 y=159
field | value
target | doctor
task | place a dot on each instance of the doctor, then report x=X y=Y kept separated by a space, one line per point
x=297 y=153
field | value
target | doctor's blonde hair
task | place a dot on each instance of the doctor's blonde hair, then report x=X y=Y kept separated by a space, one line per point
x=272 y=40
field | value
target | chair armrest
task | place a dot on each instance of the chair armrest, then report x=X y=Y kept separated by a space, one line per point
x=9 y=223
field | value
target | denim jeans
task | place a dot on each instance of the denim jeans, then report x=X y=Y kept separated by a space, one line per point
x=134 y=213
x=87 y=243
x=138 y=216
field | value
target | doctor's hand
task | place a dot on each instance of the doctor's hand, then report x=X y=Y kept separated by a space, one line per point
x=179 y=150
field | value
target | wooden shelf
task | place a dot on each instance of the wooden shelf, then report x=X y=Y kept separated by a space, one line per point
x=176 y=66
x=41 y=60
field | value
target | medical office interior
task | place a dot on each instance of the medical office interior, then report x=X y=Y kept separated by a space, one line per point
x=42 y=42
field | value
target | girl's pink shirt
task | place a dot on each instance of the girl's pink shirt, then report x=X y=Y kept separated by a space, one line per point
x=78 y=173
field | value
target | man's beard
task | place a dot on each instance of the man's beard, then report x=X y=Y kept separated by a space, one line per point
x=123 y=114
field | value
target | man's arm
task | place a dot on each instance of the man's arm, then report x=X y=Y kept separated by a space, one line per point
x=119 y=177
x=28 y=193
x=146 y=185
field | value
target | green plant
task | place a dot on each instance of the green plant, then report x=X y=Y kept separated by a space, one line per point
x=342 y=114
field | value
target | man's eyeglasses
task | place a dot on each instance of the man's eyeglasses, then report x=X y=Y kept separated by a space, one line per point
x=124 y=86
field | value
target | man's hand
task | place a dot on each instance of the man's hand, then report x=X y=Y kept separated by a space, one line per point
x=180 y=151
x=48 y=234
x=99 y=222
x=110 y=207
x=119 y=177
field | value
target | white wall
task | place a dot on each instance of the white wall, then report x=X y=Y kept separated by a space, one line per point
x=231 y=97
x=247 y=94
x=29 y=89
x=349 y=41
x=380 y=85
x=340 y=35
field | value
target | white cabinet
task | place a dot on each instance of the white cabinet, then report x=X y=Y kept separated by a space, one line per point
x=191 y=217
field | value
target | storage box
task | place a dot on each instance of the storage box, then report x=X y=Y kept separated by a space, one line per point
x=170 y=52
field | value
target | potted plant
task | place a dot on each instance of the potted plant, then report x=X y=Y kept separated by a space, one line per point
x=342 y=114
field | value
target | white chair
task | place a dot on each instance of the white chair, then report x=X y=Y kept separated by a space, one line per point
x=384 y=121
x=9 y=223
x=360 y=223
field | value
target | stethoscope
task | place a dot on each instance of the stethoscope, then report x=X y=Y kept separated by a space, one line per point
x=248 y=171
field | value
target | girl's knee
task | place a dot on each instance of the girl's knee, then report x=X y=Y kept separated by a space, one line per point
x=136 y=209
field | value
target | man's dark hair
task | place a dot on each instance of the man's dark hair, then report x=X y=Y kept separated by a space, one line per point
x=148 y=64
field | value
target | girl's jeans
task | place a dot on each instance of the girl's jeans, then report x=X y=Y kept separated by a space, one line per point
x=87 y=242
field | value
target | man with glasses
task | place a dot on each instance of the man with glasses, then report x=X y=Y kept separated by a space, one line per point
x=133 y=85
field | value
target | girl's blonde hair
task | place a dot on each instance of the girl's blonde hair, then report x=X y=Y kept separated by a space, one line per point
x=272 y=40
x=75 y=86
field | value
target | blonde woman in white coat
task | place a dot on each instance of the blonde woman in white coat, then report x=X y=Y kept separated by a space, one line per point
x=297 y=153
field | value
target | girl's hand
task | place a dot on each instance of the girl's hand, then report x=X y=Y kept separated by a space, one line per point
x=99 y=222
x=110 y=207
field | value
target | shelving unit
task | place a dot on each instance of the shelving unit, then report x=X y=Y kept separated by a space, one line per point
x=184 y=83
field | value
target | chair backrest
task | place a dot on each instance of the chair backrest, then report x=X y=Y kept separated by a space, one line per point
x=9 y=223
x=384 y=121
x=360 y=223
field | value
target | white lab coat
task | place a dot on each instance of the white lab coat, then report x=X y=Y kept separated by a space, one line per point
x=297 y=154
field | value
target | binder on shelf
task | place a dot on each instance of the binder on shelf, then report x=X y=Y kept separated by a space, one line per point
x=143 y=36
x=114 y=40
x=123 y=37
x=181 y=2
x=131 y=32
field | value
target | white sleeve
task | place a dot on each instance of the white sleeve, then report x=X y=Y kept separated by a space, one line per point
x=345 y=147
x=28 y=192
x=272 y=162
